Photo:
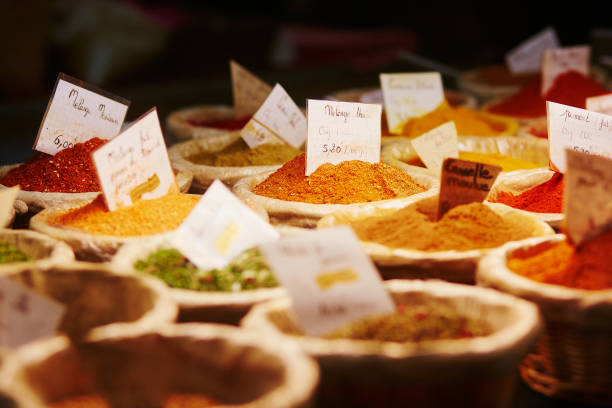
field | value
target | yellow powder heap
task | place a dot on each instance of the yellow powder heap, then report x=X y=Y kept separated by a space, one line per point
x=145 y=217
x=507 y=163
x=238 y=154
x=463 y=228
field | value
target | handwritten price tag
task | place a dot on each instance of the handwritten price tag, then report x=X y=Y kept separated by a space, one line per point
x=436 y=145
x=527 y=56
x=249 y=91
x=464 y=182
x=7 y=200
x=576 y=129
x=341 y=131
x=410 y=95
x=587 y=195
x=77 y=112
x=219 y=228
x=329 y=278
x=560 y=60
x=26 y=315
x=279 y=118
x=601 y=104
x=135 y=164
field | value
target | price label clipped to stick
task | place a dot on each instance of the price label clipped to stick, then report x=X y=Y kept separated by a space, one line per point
x=560 y=60
x=249 y=91
x=219 y=228
x=436 y=145
x=328 y=277
x=587 y=195
x=342 y=131
x=577 y=129
x=77 y=112
x=464 y=182
x=26 y=315
x=278 y=119
x=408 y=96
x=135 y=164
x=7 y=200
x=600 y=104
x=526 y=58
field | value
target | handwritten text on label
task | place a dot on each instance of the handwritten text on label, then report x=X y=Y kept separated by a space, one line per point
x=436 y=145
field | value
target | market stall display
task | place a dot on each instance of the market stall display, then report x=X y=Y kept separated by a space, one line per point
x=21 y=246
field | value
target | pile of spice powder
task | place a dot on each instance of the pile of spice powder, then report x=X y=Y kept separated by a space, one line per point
x=463 y=228
x=238 y=154
x=145 y=217
x=69 y=171
x=174 y=400
x=507 y=163
x=349 y=182
x=10 y=253
x=543 y=198
x=586 y=267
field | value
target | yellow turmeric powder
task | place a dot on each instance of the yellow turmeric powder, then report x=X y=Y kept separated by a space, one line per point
x=507 y=163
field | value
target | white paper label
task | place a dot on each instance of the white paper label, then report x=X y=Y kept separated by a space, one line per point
x=26 y=315
x=249 y=91
x=219 y=228
x=279 y=118
x=7 y=200
x=78 y=112
x=601 y=104
x=410 y=95
x=329 y=278
x=342 y=131
x=576 y=129
x=135 y=164
x=436 y=145
x=527 y=56
x=560 y=60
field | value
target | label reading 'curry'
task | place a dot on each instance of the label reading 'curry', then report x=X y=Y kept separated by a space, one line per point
x=587 y=196
x=408 y=96
x=577 y=129
x=249 y=91
x=560 y=60
x=219 y=228
x=436 y=145
x=135 y=164
x=342 y=131
x=464 y=182
x=527 y=56
x=7 y=200
x=330 y=280
x=77 y=112
x=278 y=119
x=600 y=104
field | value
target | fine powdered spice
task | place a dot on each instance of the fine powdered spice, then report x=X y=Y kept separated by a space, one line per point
x=69 y=171
x=174 y=400
x=463 y=228
x=587 y=267
x=238 y=154
x=507 y=163
x=10 y=253
x=349 y=182
x=145 y=217
x=544 y=198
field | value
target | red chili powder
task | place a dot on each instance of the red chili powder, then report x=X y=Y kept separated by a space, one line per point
x=544 y=198
x=226 y=124
x=69 y=171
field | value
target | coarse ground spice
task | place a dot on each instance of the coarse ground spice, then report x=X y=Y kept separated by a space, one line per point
x=10 y=253
x=69 y=171
x=145 y=217
x=238 y=154
x=349 y=182
x=463 y=228
x=587 y=267
x=543 y=198
x=174 y=400
x=507 y=163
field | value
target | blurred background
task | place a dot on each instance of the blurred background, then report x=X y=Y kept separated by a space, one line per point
x=172 y=54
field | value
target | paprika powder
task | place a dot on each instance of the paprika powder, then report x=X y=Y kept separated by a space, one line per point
x=544 y=198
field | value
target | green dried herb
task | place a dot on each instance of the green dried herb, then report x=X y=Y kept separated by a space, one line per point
x=9 y=253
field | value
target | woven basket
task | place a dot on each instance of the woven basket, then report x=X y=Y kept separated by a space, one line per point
x=573 y=358
x=40 y=248
x=179 y=128
x=477 y=372
x=240 y=368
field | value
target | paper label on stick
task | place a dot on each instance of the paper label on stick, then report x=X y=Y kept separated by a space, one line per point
x=527 y=56
x=249 y=91
x=135 y=164
x=7 y=200
x=328 y=277
x=26 y=315
x=342 y=131
x=279 y=118
x=410 y=95
x=464 y=182
x=576 y=129
x=436 y=145
x=600 y=104
x=560 y=60
x=219 y=228
x=587 y=195
x=77 y=112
